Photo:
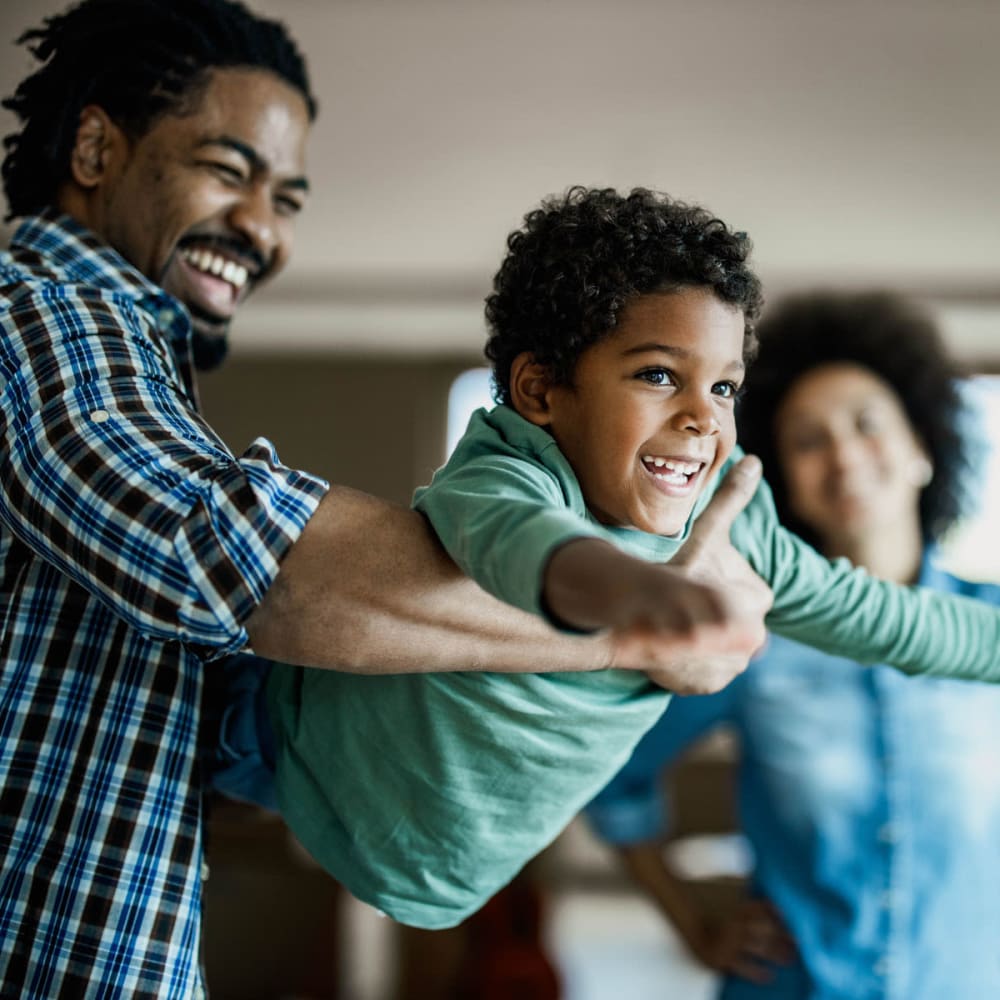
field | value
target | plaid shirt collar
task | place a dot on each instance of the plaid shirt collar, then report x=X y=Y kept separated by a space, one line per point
x=71 y=253
x=81 y=256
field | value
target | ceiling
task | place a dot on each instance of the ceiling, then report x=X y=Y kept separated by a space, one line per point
x=857 y=142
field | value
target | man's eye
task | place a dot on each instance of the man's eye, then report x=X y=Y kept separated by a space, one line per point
x=286 y=205
x=227 y=172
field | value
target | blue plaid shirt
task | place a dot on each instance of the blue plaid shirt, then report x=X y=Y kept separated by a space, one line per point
x=133 y=547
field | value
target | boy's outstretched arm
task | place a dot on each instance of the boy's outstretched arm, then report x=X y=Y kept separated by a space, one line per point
x=367 y=588
x=707 y=602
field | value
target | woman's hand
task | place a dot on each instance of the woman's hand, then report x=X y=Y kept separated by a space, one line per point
x=745 y=942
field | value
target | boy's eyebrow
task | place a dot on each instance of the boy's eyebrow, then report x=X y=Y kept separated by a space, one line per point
x=678 y=352
x=256 y=161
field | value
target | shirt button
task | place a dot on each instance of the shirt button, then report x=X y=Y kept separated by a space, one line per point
x=99 y=416
x=887 y=899
x=205 y=871
x=887 y=834
x=881 y=967
x=165 y=317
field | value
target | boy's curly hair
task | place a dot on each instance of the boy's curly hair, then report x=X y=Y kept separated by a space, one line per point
x=582 y=257
x=891 y=337
x=138 y=60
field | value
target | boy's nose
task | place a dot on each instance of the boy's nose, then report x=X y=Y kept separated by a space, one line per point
x=698 y=416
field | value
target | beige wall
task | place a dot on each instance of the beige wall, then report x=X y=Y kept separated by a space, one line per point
x=374 y=424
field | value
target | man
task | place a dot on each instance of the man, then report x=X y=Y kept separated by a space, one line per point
x=157 y=176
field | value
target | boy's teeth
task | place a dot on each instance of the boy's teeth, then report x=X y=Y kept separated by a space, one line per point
x=678 y=468
x=212 y=263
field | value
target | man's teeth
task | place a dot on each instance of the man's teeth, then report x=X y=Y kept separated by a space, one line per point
x=669 y=470
x=213 y=263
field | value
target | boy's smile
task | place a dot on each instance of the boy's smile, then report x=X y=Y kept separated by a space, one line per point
x=649 y=417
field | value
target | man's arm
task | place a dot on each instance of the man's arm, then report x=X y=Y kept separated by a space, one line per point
x=367 y=588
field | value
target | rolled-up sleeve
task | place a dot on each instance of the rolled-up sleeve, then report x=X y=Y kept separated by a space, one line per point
x=110 y=473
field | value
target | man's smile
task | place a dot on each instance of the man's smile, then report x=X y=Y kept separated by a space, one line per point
x=212 y=275
x=217 y=264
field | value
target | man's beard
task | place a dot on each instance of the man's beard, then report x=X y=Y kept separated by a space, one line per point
x=209 y=347
x=208 y=352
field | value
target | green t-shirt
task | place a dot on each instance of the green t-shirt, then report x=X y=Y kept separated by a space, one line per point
x=425 y=793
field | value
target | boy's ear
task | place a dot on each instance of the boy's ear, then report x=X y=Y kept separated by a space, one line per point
x=97 y=138
x=530 y=383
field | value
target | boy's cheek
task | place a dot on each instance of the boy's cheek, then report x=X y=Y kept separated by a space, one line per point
x=727 y=438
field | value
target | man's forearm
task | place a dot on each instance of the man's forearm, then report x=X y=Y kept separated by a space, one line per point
x=367 y=588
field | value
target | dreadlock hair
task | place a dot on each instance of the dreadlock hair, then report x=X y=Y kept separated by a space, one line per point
x=136 y=59
x=894 y=339
x=581 y=258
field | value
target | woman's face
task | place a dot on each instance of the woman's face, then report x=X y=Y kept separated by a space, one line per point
x=852 y=463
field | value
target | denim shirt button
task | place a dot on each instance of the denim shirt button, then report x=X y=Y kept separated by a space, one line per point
x=887 y=899
x=881 y=967
x=887 y=834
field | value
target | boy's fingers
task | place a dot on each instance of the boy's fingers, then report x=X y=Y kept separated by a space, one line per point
x=730 y=498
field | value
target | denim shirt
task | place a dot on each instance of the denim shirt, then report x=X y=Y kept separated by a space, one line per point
x=871 y=801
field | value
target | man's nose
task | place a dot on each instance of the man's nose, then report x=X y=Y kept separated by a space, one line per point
x=254 y=217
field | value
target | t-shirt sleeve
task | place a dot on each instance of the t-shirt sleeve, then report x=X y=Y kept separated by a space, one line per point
x=500 y=517
x=843 y=610
x=110 y=474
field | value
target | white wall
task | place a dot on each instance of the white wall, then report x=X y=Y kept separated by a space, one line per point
x=856 y=142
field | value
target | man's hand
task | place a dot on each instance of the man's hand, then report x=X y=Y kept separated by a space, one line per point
x=698 y=624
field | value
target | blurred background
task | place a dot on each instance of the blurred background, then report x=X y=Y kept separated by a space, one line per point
x=858 y=145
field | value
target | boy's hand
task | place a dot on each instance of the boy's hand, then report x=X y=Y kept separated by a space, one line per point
x=695 y=625
x=709 y=558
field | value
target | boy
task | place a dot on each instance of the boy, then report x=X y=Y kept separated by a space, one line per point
x=620 y=330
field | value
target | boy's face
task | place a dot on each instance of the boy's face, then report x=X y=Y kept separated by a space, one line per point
x=649 y=418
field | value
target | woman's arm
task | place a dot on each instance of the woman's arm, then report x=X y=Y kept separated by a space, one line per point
x=742 y=942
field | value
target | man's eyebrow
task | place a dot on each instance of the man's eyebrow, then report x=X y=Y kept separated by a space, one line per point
x=677 y=352
x=256 y=161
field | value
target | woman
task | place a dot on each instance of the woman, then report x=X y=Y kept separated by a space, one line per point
x=871 y=800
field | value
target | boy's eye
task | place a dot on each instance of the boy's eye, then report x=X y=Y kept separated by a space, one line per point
x=656 y=376
x=727 y=389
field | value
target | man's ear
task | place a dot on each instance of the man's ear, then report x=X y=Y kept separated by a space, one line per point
x=97 y=138
x=530 y=383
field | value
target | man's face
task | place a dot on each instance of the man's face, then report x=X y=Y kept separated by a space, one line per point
x=649 y=418
x=204 y=204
